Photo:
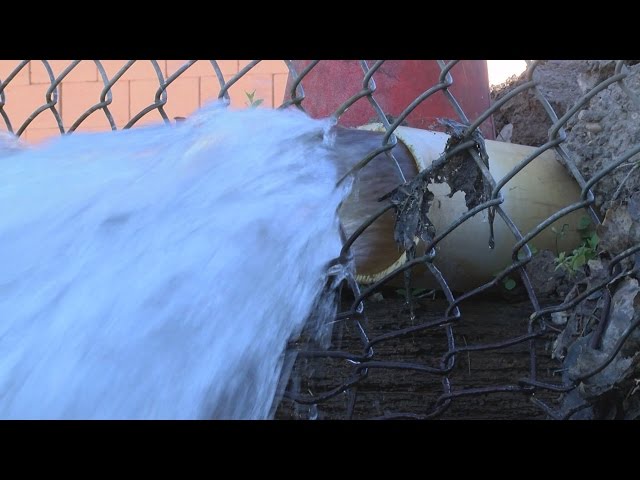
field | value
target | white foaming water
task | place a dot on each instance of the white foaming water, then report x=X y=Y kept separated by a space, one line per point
x=159 y=272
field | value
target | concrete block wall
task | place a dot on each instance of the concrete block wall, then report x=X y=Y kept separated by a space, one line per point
x=134 y=91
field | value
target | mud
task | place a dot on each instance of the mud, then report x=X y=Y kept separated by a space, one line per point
x=387 y=392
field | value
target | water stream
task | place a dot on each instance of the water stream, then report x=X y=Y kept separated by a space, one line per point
x=157 y=273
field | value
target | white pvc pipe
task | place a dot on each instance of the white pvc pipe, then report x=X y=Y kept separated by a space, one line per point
x=538 y=191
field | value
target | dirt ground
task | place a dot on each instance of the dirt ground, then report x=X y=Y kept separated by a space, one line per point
x=387 y=391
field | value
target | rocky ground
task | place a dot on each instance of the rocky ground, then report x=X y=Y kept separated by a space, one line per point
x=603 y=129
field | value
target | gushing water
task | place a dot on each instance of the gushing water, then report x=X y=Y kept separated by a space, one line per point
x=159 y=272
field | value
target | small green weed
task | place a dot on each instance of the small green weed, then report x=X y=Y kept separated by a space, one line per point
x=252 y=101
x=580 y=256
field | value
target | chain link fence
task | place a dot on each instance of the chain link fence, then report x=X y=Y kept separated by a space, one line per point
x=572 y=357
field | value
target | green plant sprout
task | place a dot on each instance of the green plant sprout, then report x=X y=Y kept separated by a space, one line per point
x=580 y=256
x=252 y=101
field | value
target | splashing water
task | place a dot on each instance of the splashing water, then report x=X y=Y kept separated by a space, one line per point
x=159 y=272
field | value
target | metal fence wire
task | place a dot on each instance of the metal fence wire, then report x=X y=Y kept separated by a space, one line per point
x=421 y=354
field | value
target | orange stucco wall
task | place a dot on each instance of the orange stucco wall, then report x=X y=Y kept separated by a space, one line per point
x=134 y=91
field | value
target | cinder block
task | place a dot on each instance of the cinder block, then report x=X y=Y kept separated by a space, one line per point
x=183 y=97
x=152 y=117
x=77 y=98
x=85 y=71
x=23 y=100
x=7 y=66
x=87 y=129
x=140 y=70
x=209 y=89
x=203 y=68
